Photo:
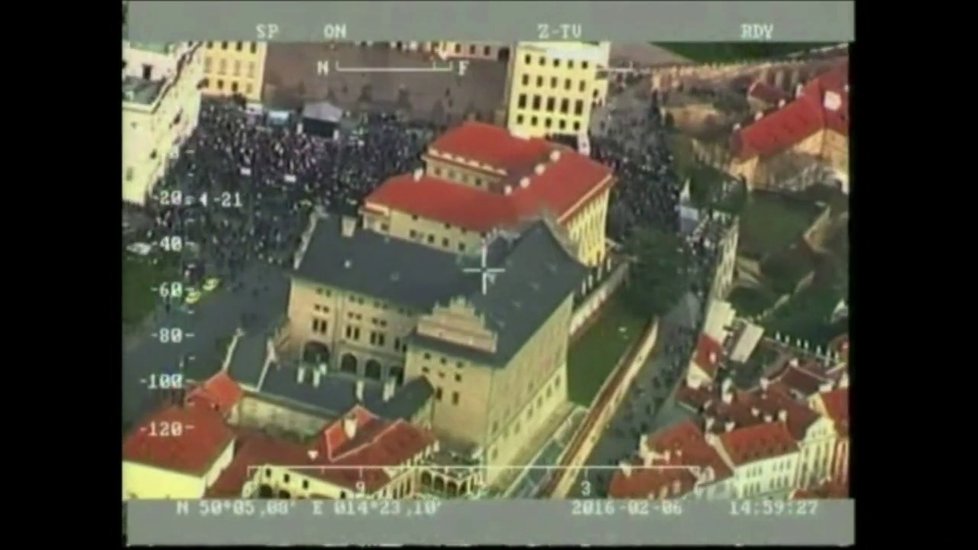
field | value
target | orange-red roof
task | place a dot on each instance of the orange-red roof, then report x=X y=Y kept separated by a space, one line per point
x=708 y=354
x=220 y=391
x=693 y=398
x=802 y=380
x=765 y=92
x=561 y=189
x=492 y=145
x=798 y=119
x=758 y=442
x=836 y=404
x=204 y=437
x=377 y=442
x=686 y=446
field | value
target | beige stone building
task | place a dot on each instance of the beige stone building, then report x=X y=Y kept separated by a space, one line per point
x=235 y=67
x=479 y=178
x=554 y=86
x=813 y=128
x=493 y=348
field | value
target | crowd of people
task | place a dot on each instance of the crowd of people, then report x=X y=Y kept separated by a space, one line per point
x=633 y=143
x=261 y=182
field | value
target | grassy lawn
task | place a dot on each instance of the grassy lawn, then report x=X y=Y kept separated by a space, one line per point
x=138 y=278
x=593 y=356
x=706 y=182
x=728 y=52
x=770 y=222
x=785 y=270
x=752 y=301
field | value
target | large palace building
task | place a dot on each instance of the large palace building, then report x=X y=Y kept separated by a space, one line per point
x=479 y=177
x=489 y=332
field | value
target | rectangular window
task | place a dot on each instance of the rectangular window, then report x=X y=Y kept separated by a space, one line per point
x=539 y=81
x=224 y=45
x=521 y=104
x=472 y=49
x=564 y=106
x=455 y=398
x=237 y=68
x=583 y=85
x=380 y=339
x=562 y=124
x=551 y=102
x=567 y=84
x=577 y=126
x=579 y=107
x=546 y=123
x=526 y=79
x=438 y=394
x=251 y=69
x=234 y=87
x=583 y=64
x=570 y=63
x=461 y=247
x=528 y=59
x=486 y=51
x=458 y=48
x=240 y=46
x=444 y=242
x=248 y=89
x=431 y=239
x=254 y=47
x=519 y=119
x=533 y=121
x=543 y=61
x=553 y=81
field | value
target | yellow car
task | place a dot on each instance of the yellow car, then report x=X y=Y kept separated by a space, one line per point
x=211 y=284
x=193 y=297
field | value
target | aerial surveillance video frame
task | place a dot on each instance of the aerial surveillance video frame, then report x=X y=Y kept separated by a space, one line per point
x=420 y=271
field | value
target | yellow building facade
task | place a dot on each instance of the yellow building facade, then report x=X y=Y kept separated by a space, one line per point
x=235 y=67
x=144 y=481
x=553 y=86
x=160 y=106
x=495 y=384
x=488 y=192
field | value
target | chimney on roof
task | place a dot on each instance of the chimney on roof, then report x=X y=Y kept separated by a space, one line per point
x=765 y=383
x=626 y=468
x=845 y=88
x=679 y=454
x=713 y=357
x=793 y=362
x=350 y=425
x=358 y=391
x=729 y=426
x=555 y=154
x=832 y=101
x=736 y=126
x=708 y=423
x=348 y=225
x=798 y=89
x=389 y=388
x=316 y=375
x=508 y=190
x=417 y=174
x=666 y=456
x=825 y=386
x=844 y=380
x=539 y=168
x=755 y=412
x=726 y=391
x=783 y=415
x=781 y=103
x=768 y=417
x=758 y=115
x=524 y=182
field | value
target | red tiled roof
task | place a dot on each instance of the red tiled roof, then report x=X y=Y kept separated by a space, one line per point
x=708 y=354
x=693 y=398
x=204 y=438
x=377 y=442
x=836 y=404
x=766 y=93
x=758 y=442
x=219 y=391
x=492 y=145
x=686 y=445
x=801 y=380
x=798 y=119
x=560 y=189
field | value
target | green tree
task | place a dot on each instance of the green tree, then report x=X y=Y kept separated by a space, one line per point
x=659 y=275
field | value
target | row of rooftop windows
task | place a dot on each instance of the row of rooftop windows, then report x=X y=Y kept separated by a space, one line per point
x=222 y=66
x=548 y=122
x=542 y=61
x=235 y=88
x=238 y=46
x=552 y=104
x=360 y=301
x=554 y=83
